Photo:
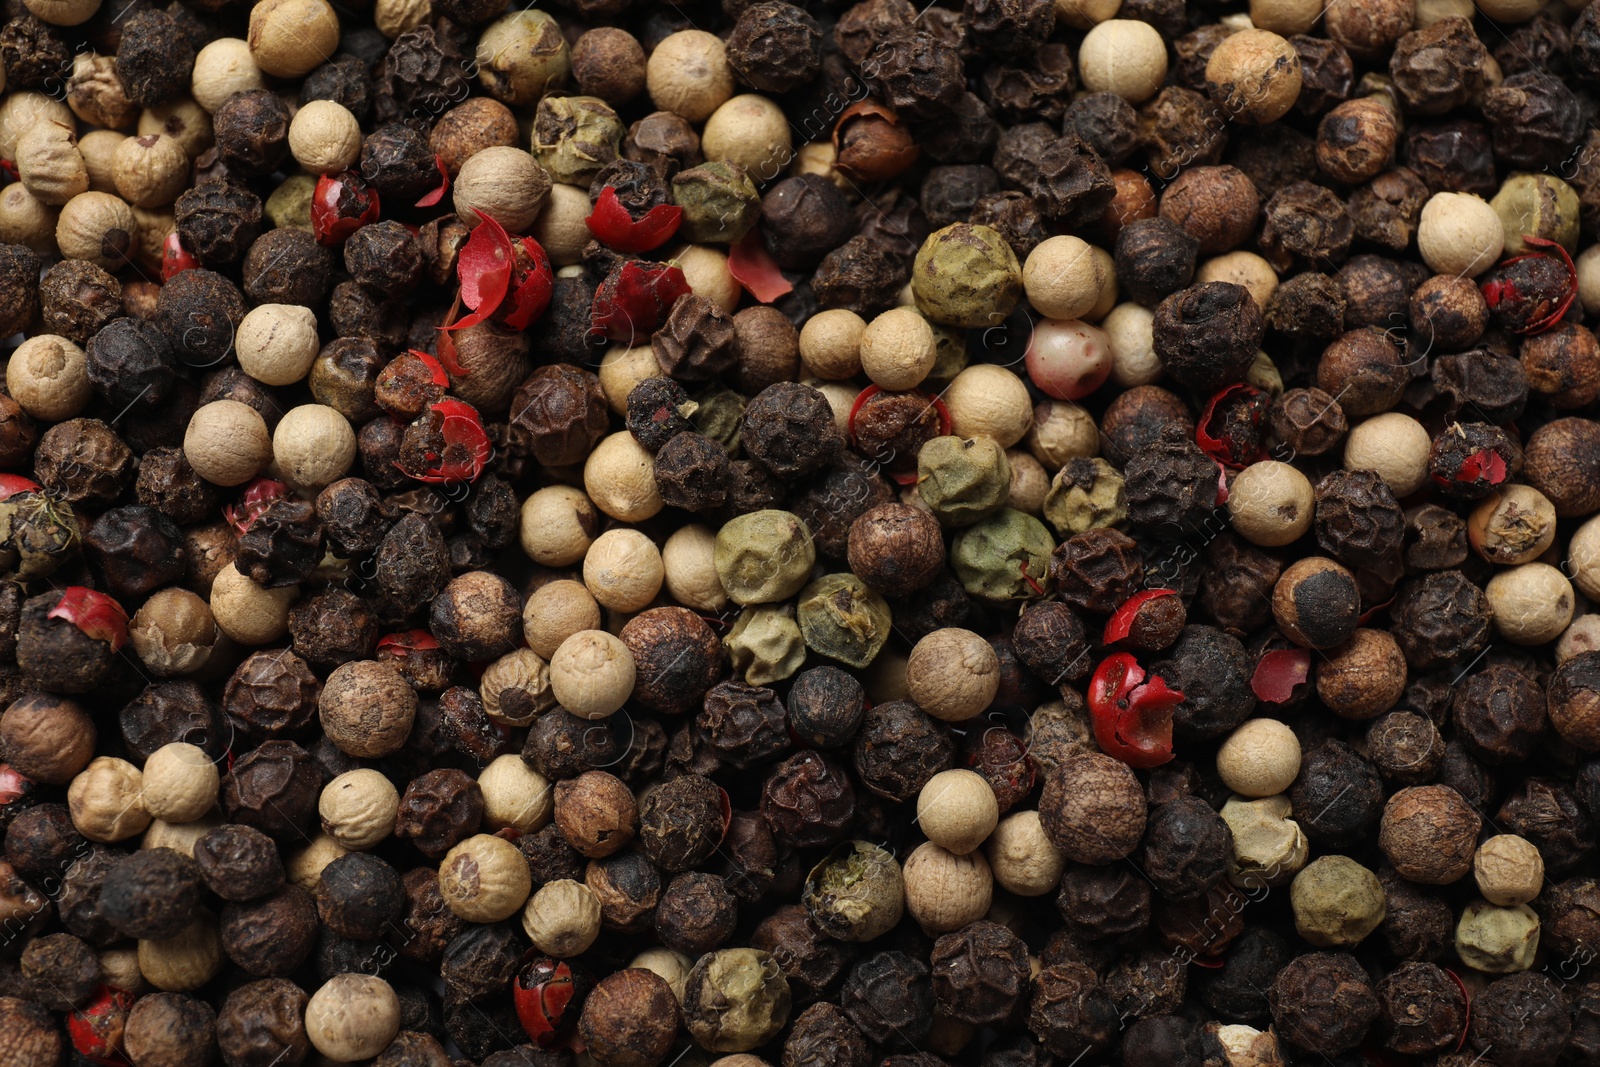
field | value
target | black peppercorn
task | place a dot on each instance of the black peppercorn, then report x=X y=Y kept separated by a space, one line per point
x=151 y=894
x=274 y=789
x=1208 y=335
x=899 y=748
x=808 y=801
x=271 y=936
x=1523 y=1018
x=1154 y=259
x=1323 y=1001
x=238 y=863
x=155 y=58
x=1338 y=795
x=1171 y=486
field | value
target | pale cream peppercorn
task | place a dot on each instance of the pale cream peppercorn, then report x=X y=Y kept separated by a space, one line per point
x=1514 y=525
x=1062 y=276
x=515 y=796
x=706 y=271
x=830 y=344
x=180 y=836
x=62 y=12
x=304 y=867
x=324 y=137
x=1254 y=76
x=49 y=163
x=516 y=688
x=173 y=632
x=1286 y=17
x=749 y=130
x=841 y=397
x=558 y=525
x=623 y=570
x=1394 y=445
x=119 y=967
x=592 y=674
x=1021 y=857
x=556 y=611
x=1583 y=554
x=154 y=226
x=1508 y=870
x=277 y=343
x=989 y=401
x=99 y=151
x=1270 y=503
x=1241 y=268
x=1086 y=14
x=620 y=478
x=1588 y=265
x=1532 y=603
x=688 y=561
x=151 y=170
x=222 y=68
x=26 y=221
x=358 y=809
x=1030 y=482
x=1259 y=759
x=1459 y=233
x=957 y=810
x=291 y=38
x=248 y=613
x=313 y=446
x=623 y=368
x=560 y=228
x=563 y=918
x=19 y=111
x=106 y=800
x=48 y=377
x=953 y=674
x=183 y=119
x=1126 y=57
x=503 y=182
x=897 y=350
x=1497 y=940
x=1269 y=847
x=97 y=227
x=667 y=964
x=945 y=892
x=186 y=962
x=352 y=1017
x=1510 y=10
x=1583 y=635
x=227 y=442
x=485 y=879
x=1130 y=336
x=688 y=74
x=180 y=783
x=1062 y=431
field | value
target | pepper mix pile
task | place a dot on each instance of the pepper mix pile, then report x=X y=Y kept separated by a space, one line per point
x=1011 y=533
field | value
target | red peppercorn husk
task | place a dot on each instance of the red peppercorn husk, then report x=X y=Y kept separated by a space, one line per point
x=95 y=613
x=1530 y=293
x=16 y=483
x=1120 y=626
x=1229 y=429
x=341 y=204
x=756 y=272
x=549 y=995
x=459 y=447
x=96 y=1028
x=1132 y=712
x=634 y=299
x=615 y=228
x=484 y=268
x=254 y=500
x=1279 y=673
x=401 y=645
x=443 y=187
x=532 y=282
x=175 y=259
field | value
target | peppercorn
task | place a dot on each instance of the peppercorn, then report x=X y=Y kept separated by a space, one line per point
x=1171 y=485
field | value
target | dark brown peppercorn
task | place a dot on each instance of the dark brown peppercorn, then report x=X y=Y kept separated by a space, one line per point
x=287 y=266
x=561 y=745
x=1309 y=421
x=272 y=694
x=889 y=994
x=1338 y=795
x=155 y=58
x=438 y=810
x=83 y=461
x=1406 y=747
x=1323 y=1001
x=385 y=258
x=1208 y=335
x=563 y=410
x=61 y=970
x=1154 y=259
x=151 y=894
x=200 y=310
x=263 y=1023
x=57 y=656
x=802 y=219
x=1097 y=570
x=691 y=472
x=1523 y=1018
x=775 y=47
x=824 y=1036
x=359 y=896
x=1358 y=521
x=1421 y=1009
x=808 y=801
x=1171 y=486
x=252 y=131
x=696 y=915
x=238 y=863
x=676 y=658
x=860 y=275
x=789 y=429
x=1103 y=902
x=1490 y=386
x=743 y=724
x=628 y=887
x=272 y=936
x=630 y=1018
x=1439 y=68
x=428 y=924
x=1305 y=224
x=1548 y=813
x=1439 y=620
x=979 y=973
x=826 y=706
x=899 y=748
x=273 y=789
x=397 y=160
x=1070 y=1013
x=1186 y=848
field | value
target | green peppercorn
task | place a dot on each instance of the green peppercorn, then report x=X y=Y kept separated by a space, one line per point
x=717 y=414
x=720 y=203
x=842 y=619
x=966 y=275
x=1337 y=902
x=765 y=644
x=963 y=480
x=1004 y=557
x=1086 y=494
x=1537 y=205
x=574 y=136
x=856 y=893
x=764 y=556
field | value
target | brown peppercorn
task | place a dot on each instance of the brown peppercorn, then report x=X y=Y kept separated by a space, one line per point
x=1386 y=211
x=1559 y=461
x=691 y=472
x=61 y=970
x=742 y=724
x=478 y=616
x=596 y=813
x=1448 y=313
x=1215 y=205
x=1364 y=370
x=155 y=58
x=899 y=748
x=1305 y=225
x=1323 y=1001
x=808 y=801
x=57 y=656
x=1562 y=365
x=1309 y=421
x=1154 y=259
x=1440 y=67
x=47 y=739
x=33 y=1037
x=1523 y=1017
x=1097 y=570
x=896 y=549
x=1429 y=834
x=151 y=894
x=83 y=461
x=1093 y=809
x=979 y=973
x=262 y=1023
x=697 y=914
x=170 y=1030
x=1440 y=619
x=1070 y=1013
x=676 y=658
x=273 y=788
x=1499 y=714
x=270 y=937
x=1316 y=603
x=629 y=1019
x=564 y=411
x=287 y=266
x=238 y=863
x=1207 y=335
x=1358 y=522
x=439 y=809
x=218 y=221
x=1356 y=140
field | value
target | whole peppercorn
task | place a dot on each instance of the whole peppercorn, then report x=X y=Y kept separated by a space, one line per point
x=966 y=275
x=154 y=58
x=628 y=887
x=1093 y=809
x=802 y=219
x=1337 y=796
x=1440 y=619
x=1309 y=421
x=899 y=748
x=1154 y=259
x=1097 y=570
x=1208 y=335
x=200 y=311
x=1573 y=695
x=789 y=429
x=1499 y=714
x=1070 y=1013
x=681 y=823
x=889 y=993
x=1171 y=485
x=238 y=863
x=808 y=800
x=742 y=724
x=1523 y=1017
x=563 y=409
x=1215 y=205
x=273 y=788
x=151 y=894
x=1429 y=834
x=1316 y=603
x=358 y=896
x=1186 y=848
x=629 y=1019
x=1440 y=67
x=439 y=809
x=83 y=461
x=697 y=913
x=62 y=970
x=1358 y=521
x=75 y=297
x=825 y=706
x=271 y=694
x=691 y=472
x=1561 y=365
x=860 y=275
x=1548 y=814
x=1306 y=225
x=1323 y=1000
x=1364 y=370
x=775 y=47
x=1050 y=641
x=1406 y=747
x=398 y=162
x=272 y=936
x=217 y=221
x=896 y=549
x=1421 y=1011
